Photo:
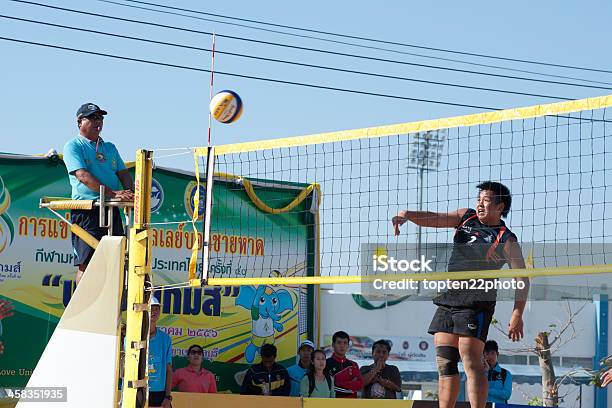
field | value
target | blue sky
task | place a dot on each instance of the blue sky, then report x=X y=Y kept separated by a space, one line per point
x=160 y=107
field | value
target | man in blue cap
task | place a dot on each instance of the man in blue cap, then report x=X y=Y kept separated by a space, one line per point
x=92 y=162
x=160 y=361
x=299 y=369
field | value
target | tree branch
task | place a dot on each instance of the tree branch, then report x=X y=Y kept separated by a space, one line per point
x=571 y=374
x=574 y=336
x=570 y=321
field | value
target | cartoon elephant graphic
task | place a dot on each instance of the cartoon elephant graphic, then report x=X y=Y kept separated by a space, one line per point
x=266 y=306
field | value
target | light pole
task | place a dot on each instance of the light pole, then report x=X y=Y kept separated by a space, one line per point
x=425 y=155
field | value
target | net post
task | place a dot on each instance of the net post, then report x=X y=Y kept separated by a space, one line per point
x=139 y=277
x=210 y=171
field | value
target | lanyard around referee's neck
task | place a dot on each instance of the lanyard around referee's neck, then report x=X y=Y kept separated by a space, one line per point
x=99 y=155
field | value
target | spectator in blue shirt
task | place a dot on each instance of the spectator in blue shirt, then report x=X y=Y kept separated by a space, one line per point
x=92 y=162
x=500 y=379
x=299 y=370
x=160 y=362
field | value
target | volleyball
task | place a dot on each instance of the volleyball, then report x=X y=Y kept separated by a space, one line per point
x=226 y=106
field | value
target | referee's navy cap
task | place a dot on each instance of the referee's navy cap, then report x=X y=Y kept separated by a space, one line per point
x=89 y=109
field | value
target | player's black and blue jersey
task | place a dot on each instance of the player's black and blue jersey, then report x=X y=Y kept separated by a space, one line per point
x=475 y=243
x=476 y=246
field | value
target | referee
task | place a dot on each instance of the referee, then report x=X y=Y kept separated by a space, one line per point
x=92 y=162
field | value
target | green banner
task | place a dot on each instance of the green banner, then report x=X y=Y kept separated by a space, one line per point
x=37 y=272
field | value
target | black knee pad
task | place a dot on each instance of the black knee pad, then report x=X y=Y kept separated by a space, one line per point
x=447 y=358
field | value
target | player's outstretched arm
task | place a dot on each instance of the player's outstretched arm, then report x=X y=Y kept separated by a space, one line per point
x=513 y=253
x=428 y=219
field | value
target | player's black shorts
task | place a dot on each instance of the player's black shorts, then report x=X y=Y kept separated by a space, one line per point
x=462 y=322
x=89 y=220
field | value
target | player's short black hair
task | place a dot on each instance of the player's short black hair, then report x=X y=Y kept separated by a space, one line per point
x=502 y=194
x=491 y=345
x=340 y=335
x=268 y=350
x=384 y=343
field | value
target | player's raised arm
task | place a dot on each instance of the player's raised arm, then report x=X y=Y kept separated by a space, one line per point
x=428 y=219
x=514 y=255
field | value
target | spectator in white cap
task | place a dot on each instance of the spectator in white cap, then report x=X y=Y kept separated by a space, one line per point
x=160 y=361
x=299 y=370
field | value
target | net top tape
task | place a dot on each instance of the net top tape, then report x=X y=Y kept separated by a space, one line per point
x=552 y=109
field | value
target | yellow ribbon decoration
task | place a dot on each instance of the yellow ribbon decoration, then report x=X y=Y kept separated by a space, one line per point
x=248 y=187
x=196 y=206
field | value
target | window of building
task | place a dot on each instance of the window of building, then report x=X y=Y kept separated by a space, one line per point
x=573 y=362
x=504 y=359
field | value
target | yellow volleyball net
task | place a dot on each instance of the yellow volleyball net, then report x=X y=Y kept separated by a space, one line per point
x=345 y=187
x=555 y=159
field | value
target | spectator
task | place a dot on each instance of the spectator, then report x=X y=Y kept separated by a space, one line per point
x=299 y=370
x=345 y=373
x=194 y=377
x=317 y=383
x=6 y=310
x=500 y=379
x=606 y=378
x=267 y=377
x=380 y=379
x=160 y=362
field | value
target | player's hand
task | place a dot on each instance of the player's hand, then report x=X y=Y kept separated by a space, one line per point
x=397 y=222
x=606 y=378
x=515 y=326
x=124 y=195
x=6 y=309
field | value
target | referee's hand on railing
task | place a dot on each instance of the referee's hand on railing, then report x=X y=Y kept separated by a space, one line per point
x=123 y=195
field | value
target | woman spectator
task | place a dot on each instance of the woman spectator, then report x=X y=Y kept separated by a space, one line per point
x=317 y=384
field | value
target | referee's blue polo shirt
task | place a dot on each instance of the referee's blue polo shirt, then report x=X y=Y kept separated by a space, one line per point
x=103 y=162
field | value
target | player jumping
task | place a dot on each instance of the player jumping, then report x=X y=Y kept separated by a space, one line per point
x=461 y=323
